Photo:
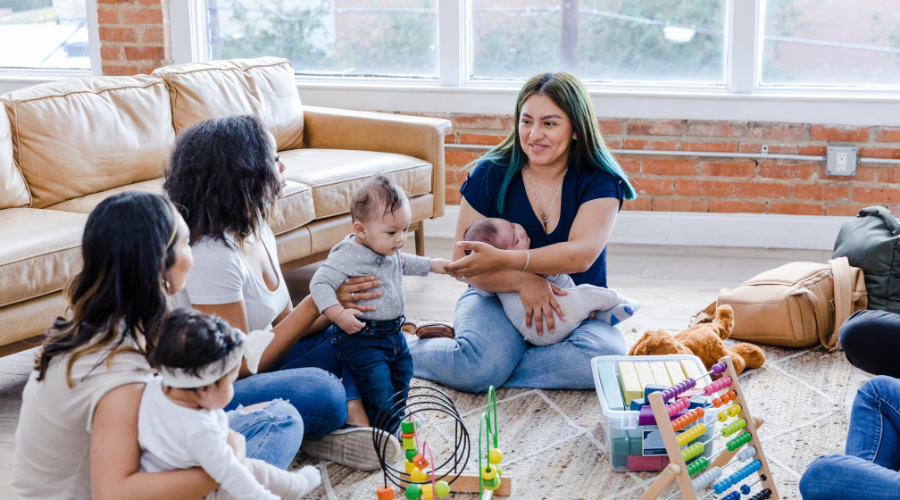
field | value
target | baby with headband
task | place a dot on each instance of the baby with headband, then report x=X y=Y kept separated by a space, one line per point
x=181 y=423
x=580 y=303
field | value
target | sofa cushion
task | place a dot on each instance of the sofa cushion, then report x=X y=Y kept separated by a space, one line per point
x=264 y=87
x=41 y=250
x=13 y=192
x=333 y=174
x=293 y=209
x=81 y=136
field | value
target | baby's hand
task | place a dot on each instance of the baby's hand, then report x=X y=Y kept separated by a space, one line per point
x=438 y=265
x=347 y=321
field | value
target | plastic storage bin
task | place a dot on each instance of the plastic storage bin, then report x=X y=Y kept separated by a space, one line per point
x=634 y=447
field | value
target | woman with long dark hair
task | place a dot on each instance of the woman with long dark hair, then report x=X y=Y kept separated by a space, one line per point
x=225 y=176
x=554 y=176
x=77 y=433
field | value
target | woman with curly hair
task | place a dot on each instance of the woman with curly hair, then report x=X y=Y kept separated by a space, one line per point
x=225 y=176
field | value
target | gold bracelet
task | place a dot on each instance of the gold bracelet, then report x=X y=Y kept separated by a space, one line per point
x=527 y=260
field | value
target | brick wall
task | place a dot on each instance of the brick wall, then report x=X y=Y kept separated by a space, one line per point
x=134 y=35
x=686 y=184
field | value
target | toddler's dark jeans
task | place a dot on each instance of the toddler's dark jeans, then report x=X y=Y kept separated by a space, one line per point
x=379 y=361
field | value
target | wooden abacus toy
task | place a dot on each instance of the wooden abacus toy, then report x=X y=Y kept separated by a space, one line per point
x=683 y=461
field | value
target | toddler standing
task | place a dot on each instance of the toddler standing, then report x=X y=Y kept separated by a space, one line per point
x=370 y=344
x=181 y=423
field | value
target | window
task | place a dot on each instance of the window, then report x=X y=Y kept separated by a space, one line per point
x=339 y=37
x=831 y=42
x=600 y=40
x=46 y=34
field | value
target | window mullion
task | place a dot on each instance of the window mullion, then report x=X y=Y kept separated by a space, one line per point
x=451 y=42
x=188 y=31
x=743 y=42
x=93 y=25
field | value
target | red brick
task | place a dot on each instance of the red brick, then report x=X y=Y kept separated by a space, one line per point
x=150 y=2
x=108 y=34
x=728 y=206
x=630 y=165
x=783 y=131
x=820 y=193
x=108 y=53
x=461 y=158
x=786 y=170
x=144 y=16
x=454 y=176
x=155 y=35
x=108 y=16
x=716 y=129
x=613 y=143
x=669 y=167
x=653 y=186
x=452 y=195
x=844 y=210
x=481 y=139
x=641 y=204
x=149 y=69
x=889 y=153
x=863 y=174
x=768 y=190
x=641 y=144
x=450 y=138
x=838 y=133
x=876 y=195
x=671 y=205
x=888 y=134
x=888 y=175
x=712 y=147
x=119 y=70
x=109 y=2
x=145 y=53
x=489 y=122
x=813 y=150
x=610 y=125
x=728 y=168
x=653 y=127
x=796 y=209
x=717 y=189
x=775 y=149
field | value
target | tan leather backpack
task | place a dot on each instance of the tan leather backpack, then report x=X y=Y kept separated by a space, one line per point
x=796 y=305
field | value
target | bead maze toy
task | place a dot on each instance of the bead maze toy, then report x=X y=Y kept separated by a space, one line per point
x=423 y=479
x=682 y=453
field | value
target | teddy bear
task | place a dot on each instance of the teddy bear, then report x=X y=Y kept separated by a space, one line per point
x=704 y=340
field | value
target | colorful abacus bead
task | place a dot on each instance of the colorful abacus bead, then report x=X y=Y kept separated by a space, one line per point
x=729 y=396
x=420 y=461
x=408 y=466
x=493 y=484
x=488 y=472
x=407 y=426
x=385 y=493
x=734 y=495
x=762 y=495
x=745 y=489
x=409 y=444
x=739 y=441
x=697 y=465
x=411 y=454
x=692 y=451
x=717 y=402
x=495 y=456
x=719 y=368
x=413 y=492
x=417 y=476
x=746 y=454
x=734 y=410
x=442 y=488
x=427 y=492
x=734 y=427
x=704 y=479
x=722 y=416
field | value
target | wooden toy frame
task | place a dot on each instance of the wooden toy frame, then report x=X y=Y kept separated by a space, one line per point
x=677 y=468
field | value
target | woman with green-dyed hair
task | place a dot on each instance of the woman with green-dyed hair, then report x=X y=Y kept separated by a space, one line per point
x=559 y=187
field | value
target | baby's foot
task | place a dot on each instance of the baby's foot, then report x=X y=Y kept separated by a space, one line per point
x=617 y=314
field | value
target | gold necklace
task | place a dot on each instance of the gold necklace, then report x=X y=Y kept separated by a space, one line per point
x=536 y=200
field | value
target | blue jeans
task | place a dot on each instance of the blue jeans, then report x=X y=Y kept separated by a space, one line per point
x=488 y=350
x=378 y=359
x=869 y=470
x=303 y=378
x=273 y=433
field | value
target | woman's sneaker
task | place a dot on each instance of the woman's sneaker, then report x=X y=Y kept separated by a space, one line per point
x=352 y=447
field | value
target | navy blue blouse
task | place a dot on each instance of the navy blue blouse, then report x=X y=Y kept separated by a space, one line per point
x=579 y=186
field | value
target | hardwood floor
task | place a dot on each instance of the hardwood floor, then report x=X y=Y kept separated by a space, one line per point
x=670 y=282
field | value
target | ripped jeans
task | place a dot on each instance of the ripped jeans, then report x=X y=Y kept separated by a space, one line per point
x=273 y=433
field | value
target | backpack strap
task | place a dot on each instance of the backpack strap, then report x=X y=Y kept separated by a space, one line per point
x=707 y=315
x=844 y=298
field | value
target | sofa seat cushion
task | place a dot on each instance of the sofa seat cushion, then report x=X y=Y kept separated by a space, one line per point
x=41 y=250
x=293 y=209
x=333 y=174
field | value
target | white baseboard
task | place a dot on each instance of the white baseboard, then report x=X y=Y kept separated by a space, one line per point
x=702 y=229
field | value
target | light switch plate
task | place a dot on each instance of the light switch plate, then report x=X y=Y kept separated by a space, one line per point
x=841 y=160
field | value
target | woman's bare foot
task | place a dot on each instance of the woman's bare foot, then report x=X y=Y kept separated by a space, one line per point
x=356 y=414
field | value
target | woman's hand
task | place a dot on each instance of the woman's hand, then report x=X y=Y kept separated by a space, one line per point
x=539 y=298
x=482 y=258
x=238 y=443
x=349 y=293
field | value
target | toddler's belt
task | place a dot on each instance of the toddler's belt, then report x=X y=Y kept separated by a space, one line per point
x=381 y=327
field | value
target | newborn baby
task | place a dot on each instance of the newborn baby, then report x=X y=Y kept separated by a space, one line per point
x=581 y=302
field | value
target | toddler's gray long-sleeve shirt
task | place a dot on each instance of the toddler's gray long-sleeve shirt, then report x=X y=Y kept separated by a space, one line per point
x=349 y=259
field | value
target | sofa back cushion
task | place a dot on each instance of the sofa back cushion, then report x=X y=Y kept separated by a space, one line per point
x=80 y=136
x=263 y=87
x=13 y=192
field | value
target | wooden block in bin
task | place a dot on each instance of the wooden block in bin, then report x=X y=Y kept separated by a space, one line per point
x=676 y=374
x=631 y=384
x=660 y=374
x=645 y=374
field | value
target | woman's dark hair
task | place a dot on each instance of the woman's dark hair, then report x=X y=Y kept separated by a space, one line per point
x=222 y=177
x=128 y=246
x=191 y=340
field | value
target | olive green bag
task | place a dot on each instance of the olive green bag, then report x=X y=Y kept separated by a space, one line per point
x=871 y=242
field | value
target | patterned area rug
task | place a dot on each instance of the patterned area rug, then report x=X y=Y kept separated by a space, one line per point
x=554 y=442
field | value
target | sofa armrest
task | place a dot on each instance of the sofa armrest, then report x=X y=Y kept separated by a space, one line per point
x=419 y=137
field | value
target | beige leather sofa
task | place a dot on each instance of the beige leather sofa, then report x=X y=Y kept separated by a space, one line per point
x=67 y=145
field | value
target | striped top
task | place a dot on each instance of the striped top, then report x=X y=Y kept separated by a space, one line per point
x=221 y=275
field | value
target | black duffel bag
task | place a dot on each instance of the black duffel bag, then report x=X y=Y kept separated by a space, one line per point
x=871 y=242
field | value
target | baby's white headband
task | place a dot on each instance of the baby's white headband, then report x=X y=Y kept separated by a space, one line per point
x=252 y=348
